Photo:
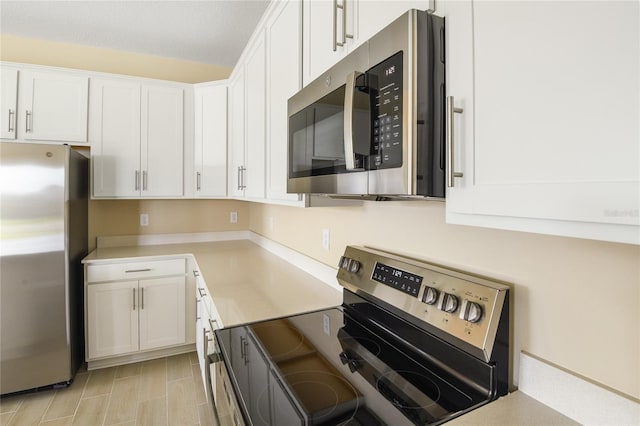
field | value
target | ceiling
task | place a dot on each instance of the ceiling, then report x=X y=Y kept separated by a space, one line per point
x=210 y=32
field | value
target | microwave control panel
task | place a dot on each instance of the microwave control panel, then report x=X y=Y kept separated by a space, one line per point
x=385 y=80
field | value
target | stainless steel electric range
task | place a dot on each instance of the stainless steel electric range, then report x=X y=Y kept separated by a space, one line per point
x=412 y=343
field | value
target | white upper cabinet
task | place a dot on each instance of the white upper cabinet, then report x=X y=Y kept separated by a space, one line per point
x=211 y=140
x=162 y=144
x=331 y=29
x=328 y=27
x=236 y=122
x=548 y=137
x=255 y=85
x=136 y=136
x=247 y=112
x=284 y=79
x=53 y=106
x=44 y=105
x=8 y=102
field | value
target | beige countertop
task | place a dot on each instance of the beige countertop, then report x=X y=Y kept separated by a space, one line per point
x=515 y=408
x=246 y=282
x=249 y=283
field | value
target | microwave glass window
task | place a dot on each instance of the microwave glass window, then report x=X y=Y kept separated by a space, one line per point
x=316 y=141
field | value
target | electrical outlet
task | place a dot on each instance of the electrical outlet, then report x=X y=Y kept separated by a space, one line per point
x=326 y=238
x=144 y=219
x=326 y=324
x=233 y=217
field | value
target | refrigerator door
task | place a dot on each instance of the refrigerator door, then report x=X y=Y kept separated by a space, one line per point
x=35 y=347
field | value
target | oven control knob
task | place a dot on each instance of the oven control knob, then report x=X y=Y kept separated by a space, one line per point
x=354 y=365
x=430 y=296
x=449 y=303
x=354 y=266
x=344 y=263
x=471 y=312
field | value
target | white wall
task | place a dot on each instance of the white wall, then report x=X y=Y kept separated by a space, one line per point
x=577 y=302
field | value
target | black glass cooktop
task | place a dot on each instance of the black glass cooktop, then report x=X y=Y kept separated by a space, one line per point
x=344 y=366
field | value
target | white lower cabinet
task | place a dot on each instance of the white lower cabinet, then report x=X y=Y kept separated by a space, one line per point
x=134 y=315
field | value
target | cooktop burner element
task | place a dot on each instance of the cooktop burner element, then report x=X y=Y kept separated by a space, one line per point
x=412 y=343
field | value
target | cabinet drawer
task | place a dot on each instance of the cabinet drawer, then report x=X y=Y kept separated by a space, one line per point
x=135 y=270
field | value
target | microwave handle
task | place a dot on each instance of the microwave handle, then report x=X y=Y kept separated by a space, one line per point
x=349 y=155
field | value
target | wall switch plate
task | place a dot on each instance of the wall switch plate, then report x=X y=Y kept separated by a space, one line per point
x=326 y=238
x=144 y=219
x=233 y=217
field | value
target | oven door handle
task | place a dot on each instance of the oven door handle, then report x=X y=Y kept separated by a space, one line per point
x=349 y=107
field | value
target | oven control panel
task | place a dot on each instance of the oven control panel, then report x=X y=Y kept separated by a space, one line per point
x=456 y=303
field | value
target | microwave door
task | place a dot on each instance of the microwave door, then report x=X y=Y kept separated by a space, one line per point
x=316 y=149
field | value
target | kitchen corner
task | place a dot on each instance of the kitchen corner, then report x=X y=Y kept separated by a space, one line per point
x=251 y=278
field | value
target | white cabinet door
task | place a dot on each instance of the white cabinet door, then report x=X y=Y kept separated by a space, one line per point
x=324 y=29
x=374 y=15
x=112 y=318
x=114 y=134
x=548 y=139
x=162 y=158
x=53 y=106
x=211 y=141
x=255 y=85
x=284 y=49
x=162 y=312
x=8 y=102
x=236 y=134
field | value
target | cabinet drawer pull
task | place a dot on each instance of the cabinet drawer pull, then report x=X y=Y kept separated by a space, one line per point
x=134 y=299
x=142 y=298
x=144 y=180
x=450 y=139
x=198 y=180
x=137 y=180
x=138 y=270
x=211 y=321
x=196 y=273
x=202 y=292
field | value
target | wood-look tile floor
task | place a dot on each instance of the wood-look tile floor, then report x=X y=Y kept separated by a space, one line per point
x=166 y=391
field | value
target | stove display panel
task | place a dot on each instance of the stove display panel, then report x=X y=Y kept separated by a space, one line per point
x=397 y=278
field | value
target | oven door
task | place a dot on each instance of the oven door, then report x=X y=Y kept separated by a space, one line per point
x=223 y=399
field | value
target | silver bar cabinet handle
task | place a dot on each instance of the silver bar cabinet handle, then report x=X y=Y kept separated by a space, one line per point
x=137 y=180
x=28 y=119
x=451 y=174
x=137 y=270
x=239 y=177
x=345 y=35
x=134 y=299
x=198 y=181
x=144 y=180
x=142 y=298
x=201 y=292
x=335 y=25
x=12 y=115
x=349 y=155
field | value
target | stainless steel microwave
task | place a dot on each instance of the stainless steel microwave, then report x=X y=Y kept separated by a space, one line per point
x=373 y=125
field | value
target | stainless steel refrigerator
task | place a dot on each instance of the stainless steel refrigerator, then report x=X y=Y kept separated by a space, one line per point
x=43 y=238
